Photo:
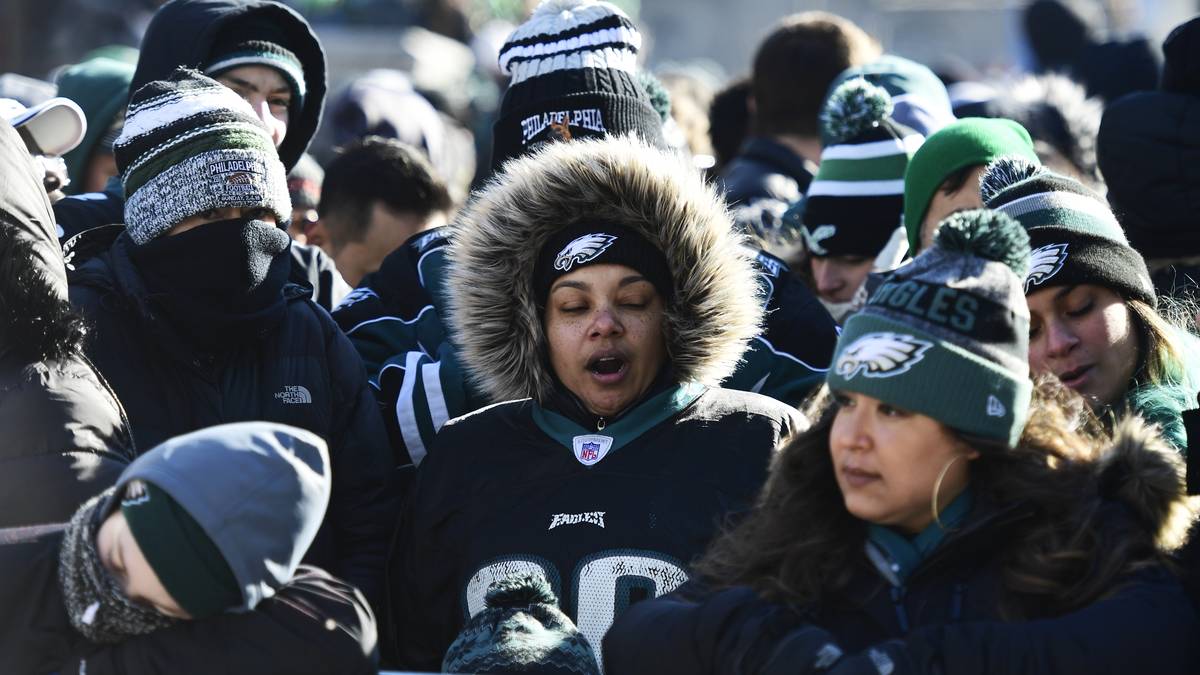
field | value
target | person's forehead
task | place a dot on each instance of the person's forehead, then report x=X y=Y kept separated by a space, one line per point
x=265 y=78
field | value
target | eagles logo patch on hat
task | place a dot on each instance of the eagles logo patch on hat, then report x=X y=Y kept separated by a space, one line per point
x=582 y=250
x=1044 y=263
x=881 y=355
x=813 y=238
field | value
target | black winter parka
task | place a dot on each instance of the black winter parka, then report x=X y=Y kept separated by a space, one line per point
x=302 y=372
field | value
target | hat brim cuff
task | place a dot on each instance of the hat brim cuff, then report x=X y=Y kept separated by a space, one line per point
x=913 y=370
x=218 y=179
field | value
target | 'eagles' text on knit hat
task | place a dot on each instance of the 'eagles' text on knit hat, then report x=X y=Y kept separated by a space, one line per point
x=573 y=66
x=947 y=335
x=1074 y=236
x=855 y=201
x=190 y=145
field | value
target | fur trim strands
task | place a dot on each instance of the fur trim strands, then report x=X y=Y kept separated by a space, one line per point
x=717 y=304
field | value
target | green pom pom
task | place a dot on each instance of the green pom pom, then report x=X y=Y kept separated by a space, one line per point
x=986 y=234
x=520 y=591
x=660 y=98
x=1003 y=173
x=853 y=108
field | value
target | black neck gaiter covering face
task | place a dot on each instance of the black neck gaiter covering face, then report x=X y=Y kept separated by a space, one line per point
x=94 y=602
x=220 y=283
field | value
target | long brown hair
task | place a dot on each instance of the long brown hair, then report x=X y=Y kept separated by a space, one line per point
x=800 y=544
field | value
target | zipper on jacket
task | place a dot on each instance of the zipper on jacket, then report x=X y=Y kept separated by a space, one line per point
x=600 y=424
x=898 y=602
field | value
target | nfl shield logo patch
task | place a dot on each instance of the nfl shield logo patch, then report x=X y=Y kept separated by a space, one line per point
x=591 y=448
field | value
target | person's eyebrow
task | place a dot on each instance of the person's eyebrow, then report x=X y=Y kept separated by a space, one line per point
x=570 y=284
x=282 y=90
x=632 y=279
x=239 y=82
x=1064 y=291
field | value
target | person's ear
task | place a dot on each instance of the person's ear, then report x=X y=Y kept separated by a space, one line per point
x=317 y=235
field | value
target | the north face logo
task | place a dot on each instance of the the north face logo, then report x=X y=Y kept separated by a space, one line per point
x=881 y=355
x=294 y=394
x=1045 y=262
x=584 y=249
x=813 y=239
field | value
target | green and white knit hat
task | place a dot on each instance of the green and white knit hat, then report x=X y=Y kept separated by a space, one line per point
x=947 y=335
x=189 y=145
x=1073 y=234
x=855 y=202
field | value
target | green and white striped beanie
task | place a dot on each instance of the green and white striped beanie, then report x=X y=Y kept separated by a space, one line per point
x=855 y=202
x=947 y=335
x=189 y=145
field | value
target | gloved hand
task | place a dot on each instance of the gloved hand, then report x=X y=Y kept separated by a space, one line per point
x=888 y=658
x=808 y=649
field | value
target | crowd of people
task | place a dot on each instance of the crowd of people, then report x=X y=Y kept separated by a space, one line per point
x=886 y=372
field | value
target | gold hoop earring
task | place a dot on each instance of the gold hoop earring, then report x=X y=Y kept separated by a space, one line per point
x=937 y=488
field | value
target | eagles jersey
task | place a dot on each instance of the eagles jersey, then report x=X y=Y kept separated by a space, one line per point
x=608 y=516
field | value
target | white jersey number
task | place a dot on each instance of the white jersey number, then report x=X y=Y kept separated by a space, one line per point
x=605 y=585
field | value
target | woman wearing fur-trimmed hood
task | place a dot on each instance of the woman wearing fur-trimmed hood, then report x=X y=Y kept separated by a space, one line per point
x=602 y=285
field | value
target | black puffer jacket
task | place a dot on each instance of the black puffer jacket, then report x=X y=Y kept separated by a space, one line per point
x=945 y=618
x=1149 y=152
x=56 y=413
x=303 y=372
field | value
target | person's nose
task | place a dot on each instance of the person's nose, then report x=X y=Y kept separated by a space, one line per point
x=1060 y=340
x=606 y=323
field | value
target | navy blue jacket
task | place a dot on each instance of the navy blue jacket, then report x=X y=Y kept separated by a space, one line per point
x=944 y=619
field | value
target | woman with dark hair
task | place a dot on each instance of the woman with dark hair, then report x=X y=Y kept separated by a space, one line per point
x=1093 y=318
x=933 y=520
x=600 y=289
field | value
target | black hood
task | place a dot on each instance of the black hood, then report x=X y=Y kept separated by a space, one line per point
x=182 y=33
x=1149 y=152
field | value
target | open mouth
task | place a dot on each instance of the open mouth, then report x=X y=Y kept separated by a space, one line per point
x=857 y=477
x=607 y=367
x=1075 y=377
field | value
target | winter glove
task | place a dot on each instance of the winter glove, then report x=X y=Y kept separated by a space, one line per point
x=888 y=658
x=808 y=649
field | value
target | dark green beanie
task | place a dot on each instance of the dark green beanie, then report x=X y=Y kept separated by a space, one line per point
x=947 y=335
x=180 y=552
x=1074 y=236
x=101 y=88
x=973 y=141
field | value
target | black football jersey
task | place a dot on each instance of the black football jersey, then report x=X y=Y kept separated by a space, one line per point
x=608 y=516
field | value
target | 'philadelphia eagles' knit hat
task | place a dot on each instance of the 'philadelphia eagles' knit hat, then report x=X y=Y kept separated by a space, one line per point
x=573 y=66
x=855 y=201
x=190 y=145
x=947 y=335
x=1074 y=237
x=521 y=630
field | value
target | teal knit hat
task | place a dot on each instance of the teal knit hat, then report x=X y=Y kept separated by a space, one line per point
x=973 y=141
x=947 y=335
x=1074 y=236
x=186 y=561
x=101 y=88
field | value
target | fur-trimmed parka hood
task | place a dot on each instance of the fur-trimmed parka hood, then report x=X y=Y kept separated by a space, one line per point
x=1140 y=470
x=716 y=308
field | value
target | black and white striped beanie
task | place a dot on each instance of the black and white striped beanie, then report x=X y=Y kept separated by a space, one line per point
x=191 y=144
x=573 y=66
